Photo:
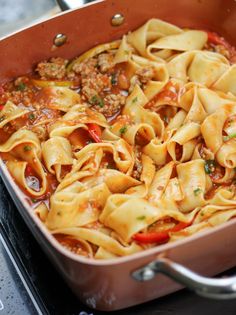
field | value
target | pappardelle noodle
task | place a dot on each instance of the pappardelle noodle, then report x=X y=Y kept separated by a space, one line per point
x=130 y=145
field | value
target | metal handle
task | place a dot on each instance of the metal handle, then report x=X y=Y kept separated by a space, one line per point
x=71 y=4
x=224 y=288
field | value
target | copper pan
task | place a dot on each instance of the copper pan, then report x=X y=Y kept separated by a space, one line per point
x=119 y=283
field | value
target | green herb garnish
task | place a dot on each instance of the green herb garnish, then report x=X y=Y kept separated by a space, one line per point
x=2 y=118
x=34 y=200
x=21 y=86
x=31 y=116
x=27 y=148
x=226 y=138
x=209 y=166
x=96 y=100
x=197 y=191
x=113 y=79
x=166 y=119
x=141 y=217
x=123 y=130
x=134 y=100
x=89 y=142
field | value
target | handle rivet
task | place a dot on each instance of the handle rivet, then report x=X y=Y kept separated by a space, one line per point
x=117 y=19
x=59 y=40
x=148 y=274
x=143 y=274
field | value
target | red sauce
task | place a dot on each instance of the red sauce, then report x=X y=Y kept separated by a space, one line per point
x=75 y=246
x=169 y=94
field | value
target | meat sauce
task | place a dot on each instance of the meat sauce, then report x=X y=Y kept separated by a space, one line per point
x=104 y=87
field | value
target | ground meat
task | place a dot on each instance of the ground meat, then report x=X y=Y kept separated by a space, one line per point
x=220 y=49
x=141 y=77
x=18 y=97
x=86 y=67
x=138 y=167
x=134 y=81
x=105 y=62
x=55 y=68
x=18 y=92
x=41 y=132
x=95 y=84
x=112 y=104
x=145 y=74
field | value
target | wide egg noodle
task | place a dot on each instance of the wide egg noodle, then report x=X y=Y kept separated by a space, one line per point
x=56 y=153
x=198 y=66
x=212 y=126
x=185 y=41
x=149 y=32
x=18 y=143
x=77 y=207
x=226 y=82
x=184 y=137
x=193 y=183
x=59 y=98
x=100 y=239
x=11 y=112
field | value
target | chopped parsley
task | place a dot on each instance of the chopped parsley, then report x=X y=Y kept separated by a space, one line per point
x=226 y=138
x=197 y=191
x=27 y=148
x=111 y=166
x=113 y=79
x=31 y=116
x=209 y=166
x=123 y=130
x=89 y=142
x=166 y=119
x=141 y=217
x=21 y=86
x=134 y=100
x=34 y=200
x=97 y=100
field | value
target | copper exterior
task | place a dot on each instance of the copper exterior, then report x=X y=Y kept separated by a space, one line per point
x=107 y=285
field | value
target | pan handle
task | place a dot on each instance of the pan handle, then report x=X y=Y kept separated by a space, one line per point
x=224 y=288
x=71 y=4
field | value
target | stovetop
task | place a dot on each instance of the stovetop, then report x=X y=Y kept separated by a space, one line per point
x=29 y=284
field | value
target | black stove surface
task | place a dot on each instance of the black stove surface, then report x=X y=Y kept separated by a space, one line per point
x=29 y=284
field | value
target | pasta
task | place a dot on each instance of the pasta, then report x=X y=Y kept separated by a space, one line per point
x=130 y=145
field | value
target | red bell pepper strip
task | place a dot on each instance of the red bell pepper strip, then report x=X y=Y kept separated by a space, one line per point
x=152 y=237
x=215 y=39
x=95 y=132
x=29 y=171
x=180 y=226
x=1 y=107
x=159 y=237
